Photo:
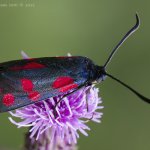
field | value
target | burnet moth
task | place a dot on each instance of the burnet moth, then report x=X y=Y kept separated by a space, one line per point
x=23 y=82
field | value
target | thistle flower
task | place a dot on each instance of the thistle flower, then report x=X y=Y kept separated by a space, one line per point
x=57 y=129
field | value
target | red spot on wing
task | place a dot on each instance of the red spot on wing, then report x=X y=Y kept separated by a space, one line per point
x=8 y=99
x=16 y=68
x=31 y=65
x=64 y=83
x=34 y=96
x=68 y=87
x=27 y=85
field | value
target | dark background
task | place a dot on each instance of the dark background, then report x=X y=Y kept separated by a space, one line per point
x=89 y=28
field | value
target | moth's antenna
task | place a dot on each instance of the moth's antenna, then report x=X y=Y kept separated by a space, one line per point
x=130 y=88
x=132 y=30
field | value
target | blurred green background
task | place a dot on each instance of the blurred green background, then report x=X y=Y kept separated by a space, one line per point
x=89 y=28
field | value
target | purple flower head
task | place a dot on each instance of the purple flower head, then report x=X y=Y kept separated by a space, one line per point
x=60 y=125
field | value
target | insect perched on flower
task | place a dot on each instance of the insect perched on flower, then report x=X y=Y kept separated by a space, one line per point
x=28 y=81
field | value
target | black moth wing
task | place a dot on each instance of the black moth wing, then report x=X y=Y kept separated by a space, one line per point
x=23 y=82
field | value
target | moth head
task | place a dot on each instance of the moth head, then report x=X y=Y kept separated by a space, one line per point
x=101 y=74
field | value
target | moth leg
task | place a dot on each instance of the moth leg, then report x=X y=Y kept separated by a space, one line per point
x=89 y=119
x=88 y=110
x=55 y=112
x=87 y=106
